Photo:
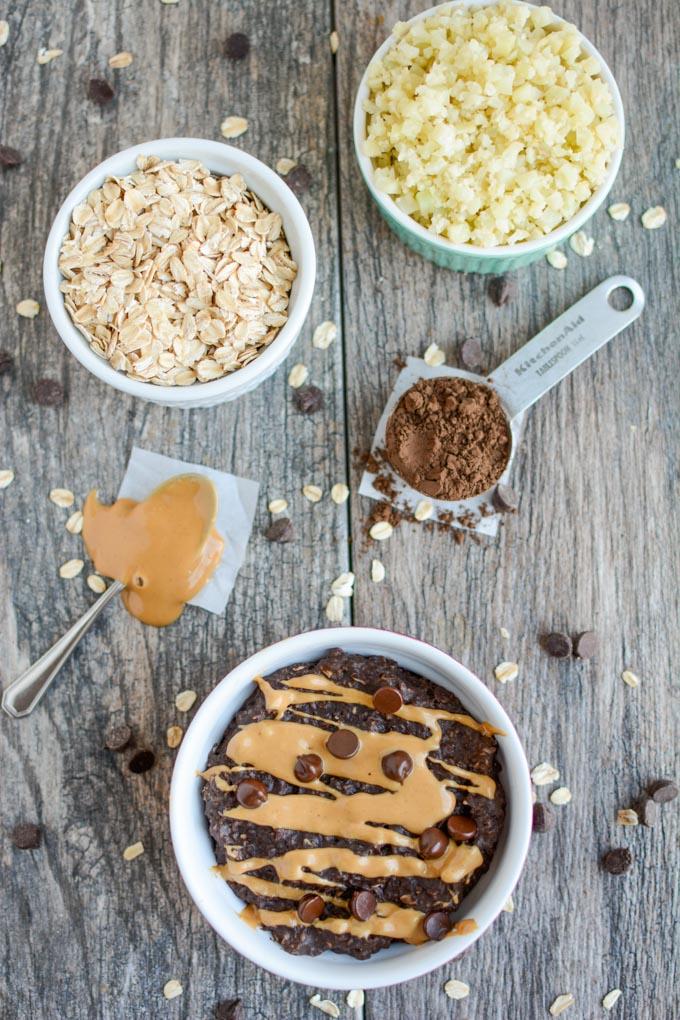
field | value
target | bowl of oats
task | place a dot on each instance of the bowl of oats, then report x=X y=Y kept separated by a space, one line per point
x=487 y=133
x=180 y=271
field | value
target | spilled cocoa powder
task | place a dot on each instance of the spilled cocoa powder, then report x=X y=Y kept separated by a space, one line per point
x=448 y=438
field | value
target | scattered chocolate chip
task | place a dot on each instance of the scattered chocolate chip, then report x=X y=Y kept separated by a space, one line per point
x=299 y=179
x=308 y=399
x=397 y=766
x=237 y=46
x=585 y=645
x=471 y=353
x=280 y=531
x=228 y=1009
x=662 y=791
x=544 y=818
x=48 y=393
x=308 y=767
x=362 y=904
x=647 y=811
x=9 y=156
x=505 y=499
x=617 y=861
x=142 y=761
x=251 y=793
x=26 y=836
x=461 y=827
x=388 y=700
x=6 y=363
x=437 y=924
x=99 y=91
x=432 y=844
x=310 y=908
x=501 y=290
x=343 y=744
x=558 y=645
x=117 y=738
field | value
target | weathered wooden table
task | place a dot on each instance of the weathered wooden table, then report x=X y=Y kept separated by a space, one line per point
x=85 y=934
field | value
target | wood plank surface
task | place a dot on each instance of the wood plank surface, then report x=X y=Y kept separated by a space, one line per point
x=85 y=934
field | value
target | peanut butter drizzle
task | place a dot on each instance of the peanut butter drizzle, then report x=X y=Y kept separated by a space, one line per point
x=272 y=746
x=163 y=549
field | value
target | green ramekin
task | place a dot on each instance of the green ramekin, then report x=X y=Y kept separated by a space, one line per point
x=466 y=258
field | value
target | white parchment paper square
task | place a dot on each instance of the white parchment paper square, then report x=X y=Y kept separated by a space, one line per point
x=236 y=501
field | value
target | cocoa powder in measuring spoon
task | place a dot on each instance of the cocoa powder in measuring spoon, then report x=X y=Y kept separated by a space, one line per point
x=448 y=438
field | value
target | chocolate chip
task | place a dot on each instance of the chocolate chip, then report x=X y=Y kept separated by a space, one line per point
x=280 y=531
x=432 y=844
x=647 y=811
x=99 y=91
x=9 y=156
x=251 y=793
x=544 y=818
x=308 y=399
x=26 y=836
x=299 y=179
x=585 y=644
x=237 y=46
x=617 y=861
x=310 y=908
x=117 y=738
x=48 y=393
x=308 y=767
x=437 y=924
x=662 y=791
x=388 y=700
x=6 y=363
x=505 y=499
x=343 y=744
x=501 y=290
x=558 y=645
x=228 y=1009
x=142 y=761
x=471 y=353
x=397 y=766
x=362 y=904
x=461 y=827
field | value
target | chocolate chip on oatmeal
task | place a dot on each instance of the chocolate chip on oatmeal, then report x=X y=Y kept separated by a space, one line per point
x=343 y=744
x=142 y=761
x=10 y=157
x=432 y=844
x=505 y=499
x=280 y=531
x=237 y=46
x=6 y=363
x=501 y=290
x=585 y=644
x=26 y=836
x=299 y=179
x=397 y=766
x=362 y=904
x=388 y=700
x=437 y=924
x=118 y=737
x=662 y=791
x=228 y=1009
x=308 y=399
x=310 y=908
x=617 y=861
x=558 y=645
x=647 y=811
x=251 y=793
x=461 y=827
x=307 y=768
x=471 y=353
x=99 y=91
x=48 y=393
x=544 y=818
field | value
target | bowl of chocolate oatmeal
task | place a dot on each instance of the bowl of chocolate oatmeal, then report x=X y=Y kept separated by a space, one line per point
x=355 y=796
x=180 y=271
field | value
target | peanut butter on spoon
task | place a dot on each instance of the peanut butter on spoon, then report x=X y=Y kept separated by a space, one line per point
x=163 y=549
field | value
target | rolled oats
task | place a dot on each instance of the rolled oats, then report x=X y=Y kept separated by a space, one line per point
x=324 y=335
x=96 y=583
x=335 y=609
x=28 y=308
x=339 y=493
x=6 y=478
x=630 y=678
x=509 y=905
x=505 y=672
x=47 y=56
x=71 y=569
x=653 y=218
x=343 y=585
x=543 y=774
x=334 y=41
x=62 y=497
x=562 y=795
x=277 y=506
x=582 y=244
x=377 y=571
x=424 y=510
x=284 y=165
x=185 y=700
x=434 y=356
x=557 y=259
x=75 y=522
x=381 y=530
x=132 y=851
x=356 y=998
x=611 y=998
x=171 y=988
x=4 y=32
x=234 y=127
x=297 y=376
x=120 y=60
x=561 y=1003
x=312 y=492
x=619 y=211
x=173 y=736
x=456 y=989
x=626 y=816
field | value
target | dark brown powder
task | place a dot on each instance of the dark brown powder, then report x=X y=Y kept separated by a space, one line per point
x=448 y=438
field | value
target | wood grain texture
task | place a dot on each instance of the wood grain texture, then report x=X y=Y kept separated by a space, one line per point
x=85 y=934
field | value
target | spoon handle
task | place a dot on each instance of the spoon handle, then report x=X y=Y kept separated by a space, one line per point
x=24 y=693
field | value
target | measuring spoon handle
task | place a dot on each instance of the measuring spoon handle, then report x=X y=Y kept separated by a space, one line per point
x=563 y=345
x=24 y=693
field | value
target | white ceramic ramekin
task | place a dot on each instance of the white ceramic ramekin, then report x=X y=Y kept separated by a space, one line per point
x=221 y=159
x=194 y=849
x=467 y=257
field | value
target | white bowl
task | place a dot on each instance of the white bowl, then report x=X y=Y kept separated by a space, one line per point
x=221 y=159
x=194 y=848
x=469 y=257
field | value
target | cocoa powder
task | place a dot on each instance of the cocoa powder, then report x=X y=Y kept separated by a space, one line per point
x=448 y=438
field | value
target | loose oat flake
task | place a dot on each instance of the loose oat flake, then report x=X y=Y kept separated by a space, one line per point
x=6 y=478
x=4 y=32
x=74 y=524
x=334 y=41
x=561 y=1003
x=172 y=988
x=424 y=510
x=173 y=736
x=381 y=530
x=356 y=998
x=505 y=633
x=509 y=905
x=325 y=1005
x=62 y=497
x=562 y=795
x=324 y=335
x=611 y=998
x=285 y=165
x=630 y=678
x=132 y=851
x=434 y=356
x=339 y=493
x=96 y=583
x=543 y=774
x=557 y=259
x=28 y=308
x=70 y=569
x=297 y=376
x=505 y=672
x=377 y=571
x=234 y=127
x=335 y=609
x=312 y=492
x=626 y=816
x=185 y=700
x=343 y=585
x=456 y=989
x=277 y=506
x=120 y=60
x=47 y=56
x=582 y=244
x=653 y=218
x=619 y=211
